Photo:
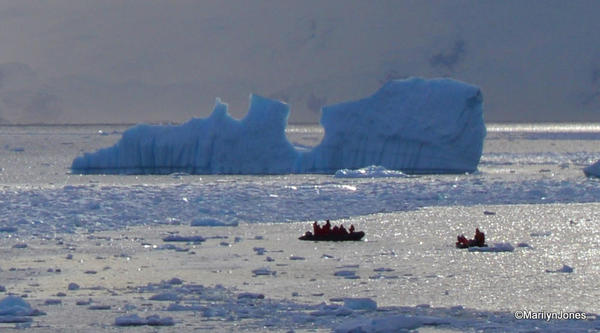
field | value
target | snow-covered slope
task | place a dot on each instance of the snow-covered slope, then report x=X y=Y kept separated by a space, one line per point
x=414 y=125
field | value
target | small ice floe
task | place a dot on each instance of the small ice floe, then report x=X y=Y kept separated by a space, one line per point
x=395 y=323
x=175 y=281
x=189 y=239
x=497 y=247
x=179 y=307
x=373 y=171
x=564 y=269
x=325 y=310
x=540 y=234
x=259 y=250
x=135 y=320
x=383 y=269
x=14 y=309
x=99 y=307
x=365 y=304
x=166 y=296
x=208 y=222
x=52 y=302
x=347 y=274
x=592 y=170
x=250 y=296
x=84 y=302
x=524 y=245
x=263 y=271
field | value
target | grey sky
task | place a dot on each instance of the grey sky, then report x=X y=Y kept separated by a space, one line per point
x=148 y=61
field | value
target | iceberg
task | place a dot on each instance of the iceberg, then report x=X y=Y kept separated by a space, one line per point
x=416 y=126
x=592 y=170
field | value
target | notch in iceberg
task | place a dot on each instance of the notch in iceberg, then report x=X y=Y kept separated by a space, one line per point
x=413 y=125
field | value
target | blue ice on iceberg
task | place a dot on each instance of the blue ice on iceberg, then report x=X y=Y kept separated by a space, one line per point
x=218 y=144
x=413 y=125
x=592 y=170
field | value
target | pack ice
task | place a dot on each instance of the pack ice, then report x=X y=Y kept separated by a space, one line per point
x=413 y=125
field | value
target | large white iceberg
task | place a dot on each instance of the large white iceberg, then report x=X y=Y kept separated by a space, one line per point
x=414 y=125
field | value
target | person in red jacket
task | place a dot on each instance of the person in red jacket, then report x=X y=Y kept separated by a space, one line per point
x=479 y=238
x=327 y=228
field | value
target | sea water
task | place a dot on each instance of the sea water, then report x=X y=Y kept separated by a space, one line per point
x=521 y=164
x=529 y=190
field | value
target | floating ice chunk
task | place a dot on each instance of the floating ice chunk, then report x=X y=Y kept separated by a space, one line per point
x=99 y=307
x=212 y=223
x=135 y=320
x=166 y=296
x=156 y=320
x=179 y=307
x=131 y=320
x=263 y=271
x=373 y=171
x=540 y=234
x=347 y=274
x=52 y=302
x=592 y=170
x=564 y=269
x=396 y=323
x=497 y=247
x=176 y=238
x=414 y=125
x=175 y=281
x=360 y=304
x=259 y=250
x=16 y=306
x=250 y=296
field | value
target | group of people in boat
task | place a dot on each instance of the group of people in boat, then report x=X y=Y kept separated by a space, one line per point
x=327 y=230
x=479 y=240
